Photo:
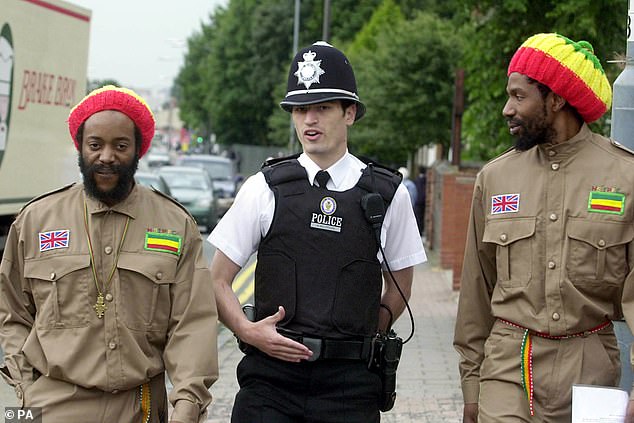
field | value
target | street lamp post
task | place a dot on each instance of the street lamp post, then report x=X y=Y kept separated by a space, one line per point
x=291 y=135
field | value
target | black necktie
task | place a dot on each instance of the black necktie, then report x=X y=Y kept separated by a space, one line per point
x=322 y=178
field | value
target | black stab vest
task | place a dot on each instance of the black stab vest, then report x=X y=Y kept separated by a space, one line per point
x=319 y=258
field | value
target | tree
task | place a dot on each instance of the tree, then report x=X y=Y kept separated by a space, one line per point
x=404 y=70
x=495 y=29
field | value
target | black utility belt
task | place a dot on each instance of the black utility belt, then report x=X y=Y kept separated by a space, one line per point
x=332 y=349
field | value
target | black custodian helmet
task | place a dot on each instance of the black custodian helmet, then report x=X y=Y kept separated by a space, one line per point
x=321 y=73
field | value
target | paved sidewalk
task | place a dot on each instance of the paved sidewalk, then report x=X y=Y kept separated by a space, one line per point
x=428 y=384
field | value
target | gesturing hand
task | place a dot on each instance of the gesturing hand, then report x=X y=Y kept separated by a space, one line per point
x=264 y=336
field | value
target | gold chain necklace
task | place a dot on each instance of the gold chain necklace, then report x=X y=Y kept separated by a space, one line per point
x=100 y=306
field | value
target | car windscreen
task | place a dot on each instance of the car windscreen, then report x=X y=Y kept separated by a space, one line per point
x=176 y=180
x=217 y=170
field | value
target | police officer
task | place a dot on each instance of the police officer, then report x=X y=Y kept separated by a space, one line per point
x=318 y=286
x=548 y=262
x=105 y=288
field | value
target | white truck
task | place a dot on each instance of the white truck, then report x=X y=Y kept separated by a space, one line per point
x=43 y=66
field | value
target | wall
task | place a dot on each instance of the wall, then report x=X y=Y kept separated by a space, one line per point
x=449 y=190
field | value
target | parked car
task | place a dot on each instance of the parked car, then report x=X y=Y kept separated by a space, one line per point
x=222 y=173
x=193 y=188
x=153 y=180
x=157 y=157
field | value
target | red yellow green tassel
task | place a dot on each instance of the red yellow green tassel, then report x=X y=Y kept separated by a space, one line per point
x=144 y=395
x=527 y=368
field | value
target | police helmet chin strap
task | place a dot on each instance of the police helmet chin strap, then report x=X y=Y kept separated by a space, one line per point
x=374 y=210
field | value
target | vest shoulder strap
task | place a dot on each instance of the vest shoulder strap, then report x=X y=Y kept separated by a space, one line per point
x=283 y=170
x=380 y=179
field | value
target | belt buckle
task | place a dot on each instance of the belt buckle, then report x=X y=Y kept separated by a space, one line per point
x=313 y=344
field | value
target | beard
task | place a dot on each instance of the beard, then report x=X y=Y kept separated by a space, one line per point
x=533 y=132
x=121 y=189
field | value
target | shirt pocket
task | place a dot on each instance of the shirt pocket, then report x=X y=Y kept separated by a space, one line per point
x=597 y=251
x=144 y=293
x=60 y=287
x=514 y=249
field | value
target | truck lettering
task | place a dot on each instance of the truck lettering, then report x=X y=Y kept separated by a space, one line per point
x=46 y=88
x=65 y=92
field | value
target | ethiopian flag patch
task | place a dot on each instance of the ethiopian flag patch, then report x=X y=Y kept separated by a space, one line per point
x=166 y=243
x=606 y=202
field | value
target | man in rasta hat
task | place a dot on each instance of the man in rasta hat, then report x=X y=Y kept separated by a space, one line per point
x=548 y=262
x=318 y=281
x=104 y=287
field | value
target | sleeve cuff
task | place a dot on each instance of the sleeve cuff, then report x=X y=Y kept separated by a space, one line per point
x=471 y=392
x=185 y=412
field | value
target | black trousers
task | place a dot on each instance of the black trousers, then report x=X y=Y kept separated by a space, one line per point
x=323 y=391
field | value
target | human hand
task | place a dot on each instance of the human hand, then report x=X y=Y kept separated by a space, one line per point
x=264 y=336
x=470 y=413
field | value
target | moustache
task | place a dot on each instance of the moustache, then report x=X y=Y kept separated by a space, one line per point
x=101 y=168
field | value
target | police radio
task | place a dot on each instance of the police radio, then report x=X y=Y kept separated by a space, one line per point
x=386 y=348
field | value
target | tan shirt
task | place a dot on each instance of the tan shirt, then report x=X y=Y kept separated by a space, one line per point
x=161 y=313
x=547 y=255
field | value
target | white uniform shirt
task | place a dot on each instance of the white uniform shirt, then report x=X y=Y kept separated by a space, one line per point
x=239 y=232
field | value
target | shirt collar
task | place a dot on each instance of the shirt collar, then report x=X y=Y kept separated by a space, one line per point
x=129 y=206
x=570 y=146
x=337 y=171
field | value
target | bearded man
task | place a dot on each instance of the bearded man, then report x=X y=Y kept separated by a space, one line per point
x=104 y=287
x=549 y=255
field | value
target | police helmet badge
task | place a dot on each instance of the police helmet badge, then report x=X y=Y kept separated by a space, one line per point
x=309 y=71
x=320 y=73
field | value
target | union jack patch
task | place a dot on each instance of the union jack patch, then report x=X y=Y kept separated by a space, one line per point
x=54 y=239
x=505 y=203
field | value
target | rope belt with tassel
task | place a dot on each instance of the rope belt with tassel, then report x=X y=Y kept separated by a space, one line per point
x=527 y=353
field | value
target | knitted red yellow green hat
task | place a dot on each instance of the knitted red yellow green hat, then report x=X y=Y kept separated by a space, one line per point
x=570 y=69
x=123 y=100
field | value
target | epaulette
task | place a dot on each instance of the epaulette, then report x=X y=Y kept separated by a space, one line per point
x=46 y=194
x=173 y=200
x=621 y=146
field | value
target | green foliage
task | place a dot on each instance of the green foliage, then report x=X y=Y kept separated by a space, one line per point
x=495 y=29
x=236 y=66
x=405 y=74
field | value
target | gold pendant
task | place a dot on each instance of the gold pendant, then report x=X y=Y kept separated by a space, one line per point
x=100 y=307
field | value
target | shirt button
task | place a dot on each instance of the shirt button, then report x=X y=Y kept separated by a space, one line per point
x=503 y=237
x=18 y=394
x=159 y=275
x=556 y=316
x=107 y=250
x=108 y=297
x=551 y=265
x=115 y=391
x=553 y=217
x=554 y=166
x=53 y=276
x=601 y=243
x=112 y=345
x=551 y=153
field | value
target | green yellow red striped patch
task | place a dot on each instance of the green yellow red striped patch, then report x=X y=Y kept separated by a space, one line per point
x=166 y=243
x=606 y=202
